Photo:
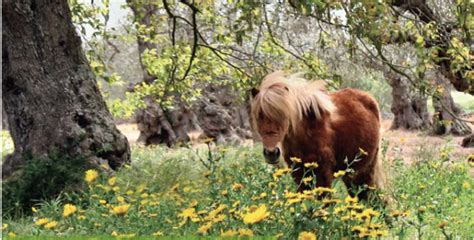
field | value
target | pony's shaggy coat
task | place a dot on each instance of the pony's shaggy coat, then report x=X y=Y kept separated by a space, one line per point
x=319 y=127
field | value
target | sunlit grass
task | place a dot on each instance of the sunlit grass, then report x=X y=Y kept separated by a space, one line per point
x=230 y=191
x=465 y=101
x=6 y=144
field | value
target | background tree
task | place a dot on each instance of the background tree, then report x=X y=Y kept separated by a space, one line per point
x=193 y=46
x=57 y=118
x=441 y=38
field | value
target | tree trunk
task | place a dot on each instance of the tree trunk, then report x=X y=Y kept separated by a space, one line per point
x=4 y=118
x=468 y=141
x=214 y=115
x=53 y=105
x=445 y=118
x=409 y=109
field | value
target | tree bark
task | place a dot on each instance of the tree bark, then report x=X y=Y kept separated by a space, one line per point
x=422 y=10
x=446 y=117
x=468 y=141
x=212 y=116
x=51 y=97
x=409 y=109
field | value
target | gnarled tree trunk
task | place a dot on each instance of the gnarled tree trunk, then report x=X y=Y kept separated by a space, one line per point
x=409 y=109
x=446 y=117
x=214 y=115
x=421 y=9
x=54 y=107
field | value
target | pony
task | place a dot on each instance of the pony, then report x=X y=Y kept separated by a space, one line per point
x=296 y=118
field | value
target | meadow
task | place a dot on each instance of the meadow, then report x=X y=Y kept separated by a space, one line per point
x=230 y=192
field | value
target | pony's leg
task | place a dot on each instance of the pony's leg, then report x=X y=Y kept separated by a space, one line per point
x=359 y=186
x=324 y=178
x=365 y=187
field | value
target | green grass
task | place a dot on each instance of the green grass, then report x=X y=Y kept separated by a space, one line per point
x=162 y=183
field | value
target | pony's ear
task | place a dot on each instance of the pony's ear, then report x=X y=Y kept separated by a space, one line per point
x=254 y=92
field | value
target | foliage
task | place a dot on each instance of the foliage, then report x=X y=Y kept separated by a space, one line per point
x=31 y=184
x=232 y=192
x=189 y=45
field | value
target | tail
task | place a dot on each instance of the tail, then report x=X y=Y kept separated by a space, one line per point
x=379 y=176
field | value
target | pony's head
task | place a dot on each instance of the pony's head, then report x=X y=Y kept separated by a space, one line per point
x=279 y=104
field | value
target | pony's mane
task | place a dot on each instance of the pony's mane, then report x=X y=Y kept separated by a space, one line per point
x=290 y=97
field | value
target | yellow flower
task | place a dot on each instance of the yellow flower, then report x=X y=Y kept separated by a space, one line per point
x=359 y=229
x=307 y=180
x=363 y=152
x=69 y=209
x=112 y=181
x=33 y=209
x=322 y=190
x=256 y=216
x=280 y=172
x=11 y=234
x=229 y=233
x=81 y=217
x=470 y=160
x=189 y=213
x=91 y=175
x=279 y=235
x=311 y=165
x=350 y=199
x=294 y=200
x=236 y=203
x=42 y=221
x=121 y=199
x=295 y=159
x=114 y=234
x=216 y=211
x=218 y=218
x=224 y=193
x=331 y=201
x=466 y=185
x=157 y=233
x=204 y=228
x=193 y=203
x=380 y=233
x=102 y=201
x=339 y=173
x=4 y=226
x=245 y=232
x=306 y=236
x=237 y=186
x=442 y=224
x=120 y=209
x=51 y=224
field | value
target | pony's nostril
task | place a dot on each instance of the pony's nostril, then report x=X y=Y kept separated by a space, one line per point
x=277 y=151
x=271 y=156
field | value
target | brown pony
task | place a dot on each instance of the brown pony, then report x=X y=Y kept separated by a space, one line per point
x=297 y=118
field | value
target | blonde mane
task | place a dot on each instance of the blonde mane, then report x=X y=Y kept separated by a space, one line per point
x=286 y=99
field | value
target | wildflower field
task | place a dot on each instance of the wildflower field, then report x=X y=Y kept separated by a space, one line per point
x=231 y=192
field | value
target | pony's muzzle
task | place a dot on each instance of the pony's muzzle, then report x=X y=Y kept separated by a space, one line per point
x=271 y=157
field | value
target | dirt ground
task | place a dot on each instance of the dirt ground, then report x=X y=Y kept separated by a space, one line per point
x=402 y=144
